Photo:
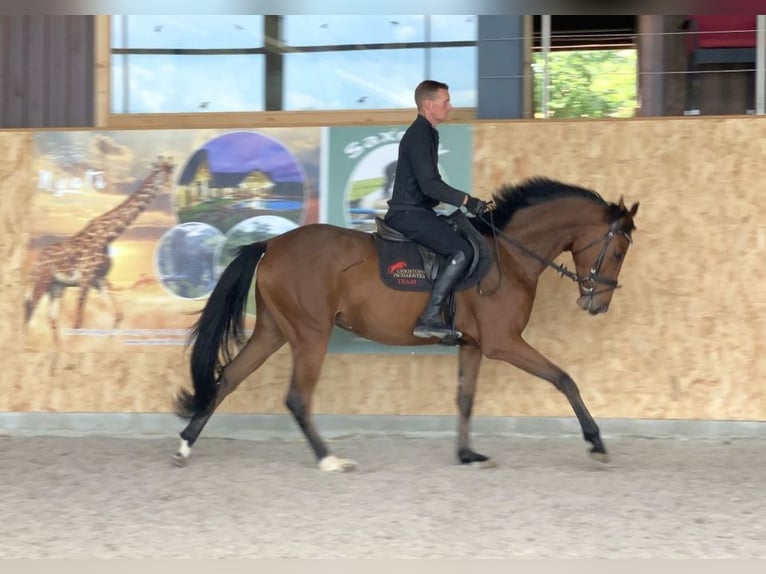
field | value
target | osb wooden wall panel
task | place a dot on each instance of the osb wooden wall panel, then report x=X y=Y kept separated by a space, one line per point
x=683 y=338
x=15 y=194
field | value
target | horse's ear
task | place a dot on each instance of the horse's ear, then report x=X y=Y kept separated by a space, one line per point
x=634 y=209
x=621 y=204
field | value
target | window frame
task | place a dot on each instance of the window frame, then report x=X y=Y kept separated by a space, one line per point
x=105 y=118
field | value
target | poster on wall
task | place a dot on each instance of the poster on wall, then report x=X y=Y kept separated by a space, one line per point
x=130 y=229
x=358 y=166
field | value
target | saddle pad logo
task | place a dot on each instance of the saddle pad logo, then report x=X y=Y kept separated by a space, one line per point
x=404 y=275
x=394 y=267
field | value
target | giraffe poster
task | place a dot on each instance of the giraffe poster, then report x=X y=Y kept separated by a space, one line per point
x=130 y=229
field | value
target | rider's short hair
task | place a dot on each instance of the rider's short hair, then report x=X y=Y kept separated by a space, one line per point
x=427 y=90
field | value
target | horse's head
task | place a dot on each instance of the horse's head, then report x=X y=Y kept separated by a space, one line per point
x=599 y=254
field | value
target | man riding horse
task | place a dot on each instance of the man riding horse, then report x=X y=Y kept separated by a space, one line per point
x=418 y=188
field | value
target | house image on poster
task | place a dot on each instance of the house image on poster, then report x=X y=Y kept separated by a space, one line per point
x=240 y=175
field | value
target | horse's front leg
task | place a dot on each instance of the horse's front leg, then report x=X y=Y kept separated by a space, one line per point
x=469 y=359
x=520 y=354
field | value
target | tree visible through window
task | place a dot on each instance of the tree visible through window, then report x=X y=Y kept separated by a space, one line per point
x=588 y=84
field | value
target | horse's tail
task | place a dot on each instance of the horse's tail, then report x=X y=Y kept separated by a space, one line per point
x=220 y=324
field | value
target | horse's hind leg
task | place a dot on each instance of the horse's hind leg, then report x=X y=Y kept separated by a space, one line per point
x=264 y=342
x=469 y=359
x=307 y=364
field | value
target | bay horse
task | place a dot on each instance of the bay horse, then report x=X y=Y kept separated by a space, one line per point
x=318 y=276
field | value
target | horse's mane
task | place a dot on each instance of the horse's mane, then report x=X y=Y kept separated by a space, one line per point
x=509 y=198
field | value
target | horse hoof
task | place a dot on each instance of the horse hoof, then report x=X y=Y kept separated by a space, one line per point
x=601 y=457
x=180 y=460
x=468 y=457
x=332 y=463
x=483 y=464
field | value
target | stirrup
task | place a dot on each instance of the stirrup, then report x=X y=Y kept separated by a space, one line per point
x=439 y=331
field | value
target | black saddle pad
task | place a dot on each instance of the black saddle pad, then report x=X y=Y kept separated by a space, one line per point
x=408 y=266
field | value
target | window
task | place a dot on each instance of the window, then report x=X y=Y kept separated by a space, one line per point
x=352 y=30
x=588 y=83
x=167 y=64
x=157 y=84
x=365 y=79
x=592 y=67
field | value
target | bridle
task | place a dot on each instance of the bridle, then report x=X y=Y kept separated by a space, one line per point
x=592 y=279
x=589 y=282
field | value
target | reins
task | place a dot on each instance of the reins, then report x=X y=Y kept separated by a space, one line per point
x=586 y=283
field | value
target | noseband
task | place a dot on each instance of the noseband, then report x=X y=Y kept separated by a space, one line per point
x=589 y=282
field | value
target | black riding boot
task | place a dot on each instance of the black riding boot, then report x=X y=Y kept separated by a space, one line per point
x=431 y=323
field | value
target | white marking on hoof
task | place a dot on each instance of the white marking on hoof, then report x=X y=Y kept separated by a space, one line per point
x=182 y=456
x=601 y=457
x=332 y=463
x=489 y=463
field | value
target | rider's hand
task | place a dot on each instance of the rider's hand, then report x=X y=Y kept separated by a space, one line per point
x=476 y=206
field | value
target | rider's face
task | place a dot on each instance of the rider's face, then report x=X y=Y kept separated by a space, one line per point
x=439 y=107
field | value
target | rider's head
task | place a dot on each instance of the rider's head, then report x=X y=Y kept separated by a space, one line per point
x=433 y=101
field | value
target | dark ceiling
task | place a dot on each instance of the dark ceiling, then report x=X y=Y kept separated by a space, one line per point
x=588 y=31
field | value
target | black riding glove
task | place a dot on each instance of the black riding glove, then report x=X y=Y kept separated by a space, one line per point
x=476 y=206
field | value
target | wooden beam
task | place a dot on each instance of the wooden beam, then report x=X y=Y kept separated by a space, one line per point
x=274 y=119
x=102 y=70
x=650 y=65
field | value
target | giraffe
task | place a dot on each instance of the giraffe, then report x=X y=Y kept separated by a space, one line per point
x=83 y=259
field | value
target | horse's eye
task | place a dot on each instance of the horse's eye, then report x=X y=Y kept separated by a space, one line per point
x=618 y=255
